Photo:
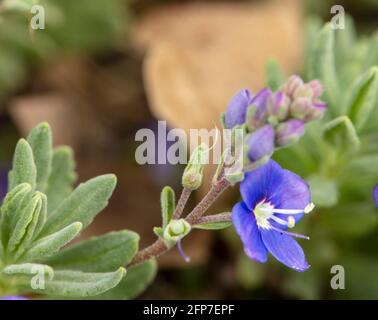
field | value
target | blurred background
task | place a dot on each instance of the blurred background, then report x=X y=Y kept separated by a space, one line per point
x=102 y=69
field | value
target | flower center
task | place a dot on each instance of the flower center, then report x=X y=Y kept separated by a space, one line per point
x=265 y=211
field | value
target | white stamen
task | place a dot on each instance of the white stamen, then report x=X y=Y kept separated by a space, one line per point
x=290 y=222
x=309 y=208
x=279 y=220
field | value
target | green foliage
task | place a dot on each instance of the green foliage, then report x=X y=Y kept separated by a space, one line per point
x=33 y=229
x=23 y=48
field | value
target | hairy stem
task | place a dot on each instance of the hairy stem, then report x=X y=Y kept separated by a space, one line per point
x=185 y=194
x=223 y=217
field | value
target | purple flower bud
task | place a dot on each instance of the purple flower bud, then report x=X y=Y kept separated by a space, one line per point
x=257 y=112
x=316 y=87
x=316 y=111
x=289 y=132
x=13 y=298
x=261 y=143
x=292 y=84
x=375 y=194
x=237 y=109
x=300 y=107
x=278 y=106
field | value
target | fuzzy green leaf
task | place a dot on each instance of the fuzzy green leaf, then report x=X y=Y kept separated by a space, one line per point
x=75 y=284
x=24 y=169
x=322 y=63
x=29 y=268
x=274 y=74
x=51 y=244
x=83 y=204
x=40 y=141
x=341 y=133
x=98 y=254
x=364 y=97
x=25 y=226
x=11 y=209
x=62 y=175
x=167 y=201
x=135 y=282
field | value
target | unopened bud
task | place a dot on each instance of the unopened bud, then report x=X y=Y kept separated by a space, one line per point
x=193 y=173
x=316 y=111
x=175 y=231
x=300 y=107
x=278 y=107
x=292 y=84
x=289 y=132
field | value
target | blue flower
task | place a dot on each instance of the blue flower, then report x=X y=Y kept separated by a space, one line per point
x=274 y=200
x=375 y=195
x=237 y=109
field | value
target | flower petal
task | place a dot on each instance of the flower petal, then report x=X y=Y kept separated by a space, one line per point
x=261 y=184
x=285 y=249
x=237 y=109
x=245 y=225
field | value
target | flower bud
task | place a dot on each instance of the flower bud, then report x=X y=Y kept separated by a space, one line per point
x=289 y=132
x=316 y=87
x=175 y=231
x=261 y=143
x=237 y=109
x=257 y=111
x=316 y=111
x=292 y=84
x=193 y=173
x=375 y=195
x=300 y=107
x=278 y=106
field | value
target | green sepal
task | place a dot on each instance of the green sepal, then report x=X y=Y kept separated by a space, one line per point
x=213 y=225
x=167 y=202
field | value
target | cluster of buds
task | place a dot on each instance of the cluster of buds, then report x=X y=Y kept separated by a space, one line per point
x=275 y=119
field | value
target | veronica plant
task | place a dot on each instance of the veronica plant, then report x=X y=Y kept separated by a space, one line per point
x=41 y=214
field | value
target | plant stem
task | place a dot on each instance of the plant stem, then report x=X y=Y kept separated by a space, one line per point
x=185 y=194
x=158 y=247
x=216 y=218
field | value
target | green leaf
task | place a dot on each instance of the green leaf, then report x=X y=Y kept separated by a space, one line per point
x=167 y=201
x=29 y=268
x=98 y=254
x=340 y=133
x=274 y=74
x=62 y=175
x=26 y=223
x=51 y=244
x=24 y=169
x=135 y=282
x=11 y=208
x=324 y=192
x=68 y=283
x=363 y=98
x=351 y=220
x=83 y=204
x=34 y=227
x=322 y=63
x=40 y=141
